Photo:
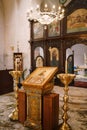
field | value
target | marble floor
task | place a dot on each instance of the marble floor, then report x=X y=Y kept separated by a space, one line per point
x=77 y=109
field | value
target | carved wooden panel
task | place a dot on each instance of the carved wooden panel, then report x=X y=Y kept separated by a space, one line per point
x=61 y=39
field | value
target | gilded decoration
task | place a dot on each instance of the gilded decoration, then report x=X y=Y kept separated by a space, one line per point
x=34 y=109
x=40 y=76
x=66 y=80
x=39 y=83
x=15 y=74
x=35 y=104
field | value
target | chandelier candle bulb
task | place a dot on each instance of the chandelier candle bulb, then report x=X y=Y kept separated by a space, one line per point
x=53 y=6
x=38 y=6
x=59 y=8
x=45 y=5
x=63 y=10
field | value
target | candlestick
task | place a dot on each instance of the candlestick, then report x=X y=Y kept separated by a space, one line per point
x=16 y=75
x=66 y=66
x=66 y=80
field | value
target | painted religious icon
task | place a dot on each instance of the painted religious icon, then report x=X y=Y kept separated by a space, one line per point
x=77 y=21
x=54 y=28
x=70 y=65
x=39 y=61
x=18 y=61
x=54 y=56
x=38 y=30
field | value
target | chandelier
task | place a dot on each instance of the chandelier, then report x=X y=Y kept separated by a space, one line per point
x=46 y=17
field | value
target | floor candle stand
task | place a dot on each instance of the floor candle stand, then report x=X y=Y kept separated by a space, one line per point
x=66 y=80
x=15 y=75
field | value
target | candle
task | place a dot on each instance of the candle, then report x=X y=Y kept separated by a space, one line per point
x=16 y=64
x=66 y=66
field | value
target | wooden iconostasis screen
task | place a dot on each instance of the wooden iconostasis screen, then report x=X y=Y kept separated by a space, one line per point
x=49 y=43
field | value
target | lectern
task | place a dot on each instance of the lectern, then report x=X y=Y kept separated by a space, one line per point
x=39 y=83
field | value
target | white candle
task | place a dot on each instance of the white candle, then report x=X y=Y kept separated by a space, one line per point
x=16 y=64
x=66 y=66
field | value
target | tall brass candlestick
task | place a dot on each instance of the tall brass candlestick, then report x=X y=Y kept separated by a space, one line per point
x=15 y=75
x=65 y=79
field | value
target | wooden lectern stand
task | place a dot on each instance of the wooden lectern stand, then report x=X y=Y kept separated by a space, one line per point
x=39 y=83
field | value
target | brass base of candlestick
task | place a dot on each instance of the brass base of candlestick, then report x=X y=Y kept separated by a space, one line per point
x=33 y=125
x=64 y=126
x=14 y=115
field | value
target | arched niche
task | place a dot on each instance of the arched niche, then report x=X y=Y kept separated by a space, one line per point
x=38 y=51
x=79 y=51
